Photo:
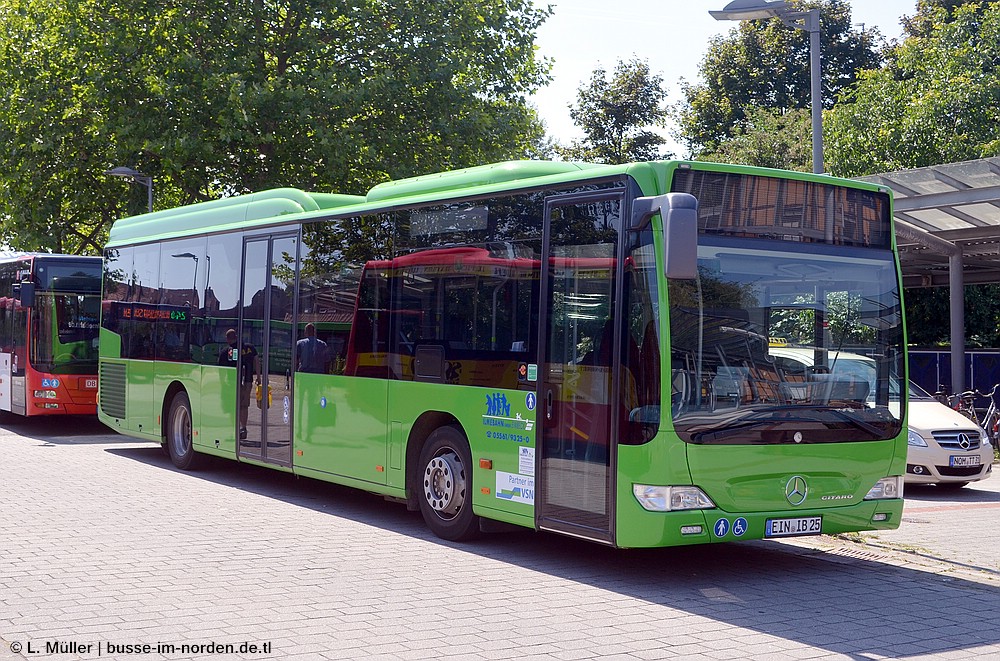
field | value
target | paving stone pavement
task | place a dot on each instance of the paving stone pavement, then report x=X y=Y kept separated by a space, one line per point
x=103 y=543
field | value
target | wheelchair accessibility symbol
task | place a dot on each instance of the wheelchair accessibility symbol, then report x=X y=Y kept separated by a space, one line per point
x=739 y=527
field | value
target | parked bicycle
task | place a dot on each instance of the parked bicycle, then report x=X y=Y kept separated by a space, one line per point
x=965 y=403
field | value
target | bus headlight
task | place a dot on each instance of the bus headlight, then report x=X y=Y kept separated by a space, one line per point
x=670 y=499
x=887 y=487
x=44 y=394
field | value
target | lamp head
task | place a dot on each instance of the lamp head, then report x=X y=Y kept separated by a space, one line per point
x=745 y=10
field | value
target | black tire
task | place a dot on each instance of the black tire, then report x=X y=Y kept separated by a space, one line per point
x=444 y=485
x=178 y=434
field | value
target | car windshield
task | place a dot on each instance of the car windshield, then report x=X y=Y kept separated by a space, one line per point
x=916 y=393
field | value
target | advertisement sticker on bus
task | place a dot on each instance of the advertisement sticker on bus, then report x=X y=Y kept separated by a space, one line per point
x=516 y=488
x=504 y=425
x=526 y=461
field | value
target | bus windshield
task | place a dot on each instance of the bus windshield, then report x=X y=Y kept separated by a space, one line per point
x=774 y=345
x=66 y=319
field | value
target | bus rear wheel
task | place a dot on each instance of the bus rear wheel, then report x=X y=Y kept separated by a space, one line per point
x=179 y=439
x=445 y=485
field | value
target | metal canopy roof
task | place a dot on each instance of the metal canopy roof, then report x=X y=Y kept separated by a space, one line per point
x=948 y=233
x=946 y=211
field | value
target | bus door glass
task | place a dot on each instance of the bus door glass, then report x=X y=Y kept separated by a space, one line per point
x=265 y=346
x=577 y=390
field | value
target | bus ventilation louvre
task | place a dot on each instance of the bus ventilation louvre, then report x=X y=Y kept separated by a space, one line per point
x=113 y=389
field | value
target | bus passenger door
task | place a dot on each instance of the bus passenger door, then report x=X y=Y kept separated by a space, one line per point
x=576 y=440
x=269 y=266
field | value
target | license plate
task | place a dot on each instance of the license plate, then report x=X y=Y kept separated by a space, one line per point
x=807 y=525
x=960 y=460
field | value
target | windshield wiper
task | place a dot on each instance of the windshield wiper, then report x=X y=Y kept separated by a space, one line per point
x=745 y=425
x=860 y=424
x=754 y=420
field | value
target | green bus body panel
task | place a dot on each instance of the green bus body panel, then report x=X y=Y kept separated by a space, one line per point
x=341 y=435
x=752 y=478
x=110 y=343
x=340 y=427
x=340 y=432
x=214 y=407
x=141 y=413
x=749 y=482
x=503 y=440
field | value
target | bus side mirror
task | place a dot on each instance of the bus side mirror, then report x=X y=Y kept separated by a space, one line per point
x=25 y=292
x=679 y=215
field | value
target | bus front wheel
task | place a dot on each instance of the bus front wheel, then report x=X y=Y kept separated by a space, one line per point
x=445 y=485
x=179 y=444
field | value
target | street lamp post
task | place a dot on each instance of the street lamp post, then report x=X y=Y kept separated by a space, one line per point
x=135 y=177
x=749 y=10
x=194 y=279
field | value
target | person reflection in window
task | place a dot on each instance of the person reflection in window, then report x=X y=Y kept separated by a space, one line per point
x=312 y=352
x=248 y=361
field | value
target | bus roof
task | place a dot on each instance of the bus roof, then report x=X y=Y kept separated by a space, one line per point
x=14 y=256
x=483 y=175
x=268 y=206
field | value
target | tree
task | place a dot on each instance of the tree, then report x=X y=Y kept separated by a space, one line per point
x=216 y=98
x=934 y=102
x=770 y=139
x=927 y=306
x=765 y=64
x=616 y=115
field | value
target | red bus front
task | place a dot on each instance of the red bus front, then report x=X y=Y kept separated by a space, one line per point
x=49 y=327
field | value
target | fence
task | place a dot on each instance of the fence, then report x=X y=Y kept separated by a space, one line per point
x=931 y=370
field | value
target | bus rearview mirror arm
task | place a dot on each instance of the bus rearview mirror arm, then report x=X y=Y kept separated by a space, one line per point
x=679 y=214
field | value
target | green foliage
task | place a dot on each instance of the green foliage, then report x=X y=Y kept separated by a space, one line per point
x=216 y=98
x=937 y=100
x=616 y=115
x=928 y=312
x=931 y=12
x=770 y=139
x=843 y=314
x=765 y=65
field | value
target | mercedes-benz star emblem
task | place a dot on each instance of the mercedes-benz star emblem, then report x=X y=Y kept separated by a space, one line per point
x=796 y=490
x=964 y=441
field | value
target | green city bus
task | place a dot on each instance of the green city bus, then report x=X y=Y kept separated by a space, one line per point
x=568 y=347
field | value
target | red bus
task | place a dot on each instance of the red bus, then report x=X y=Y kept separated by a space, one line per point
x=49 y=330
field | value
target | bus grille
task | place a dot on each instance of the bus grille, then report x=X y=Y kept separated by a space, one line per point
x=112 y=386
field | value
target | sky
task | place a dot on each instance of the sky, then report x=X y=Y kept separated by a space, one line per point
x=672 y=35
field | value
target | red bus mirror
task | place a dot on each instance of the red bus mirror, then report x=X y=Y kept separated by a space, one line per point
x=25 y=292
